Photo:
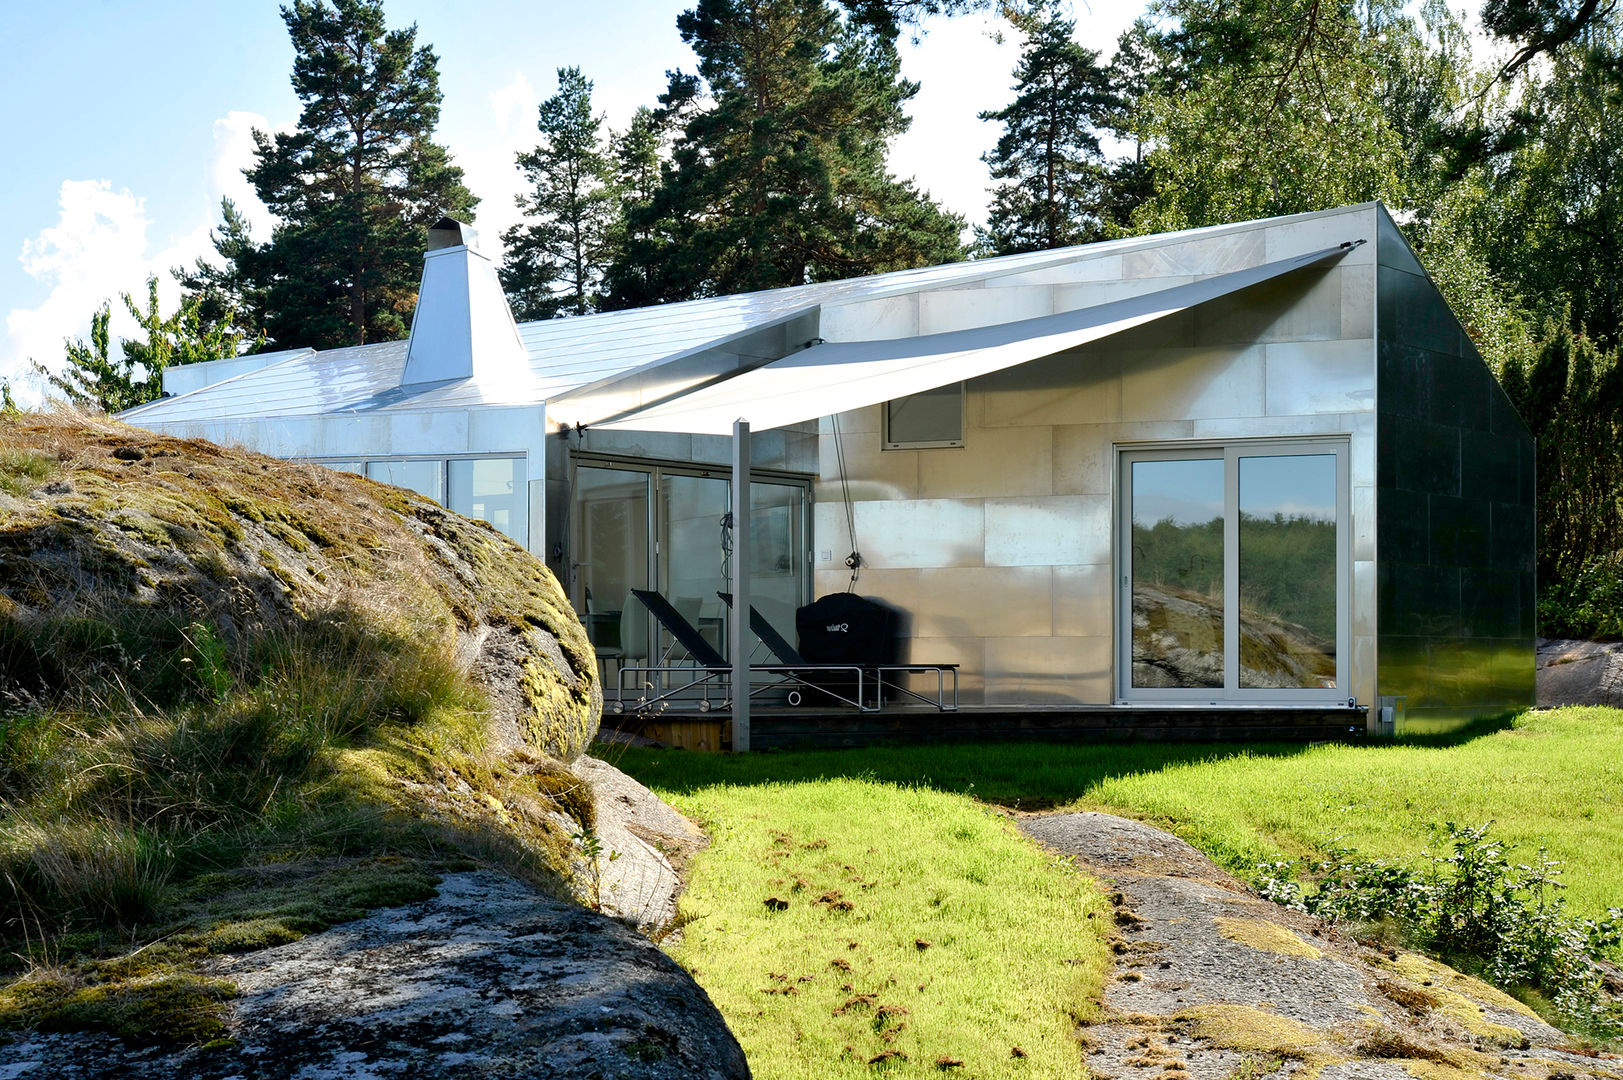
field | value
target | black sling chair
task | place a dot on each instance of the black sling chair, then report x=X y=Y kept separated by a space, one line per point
x=706 y=666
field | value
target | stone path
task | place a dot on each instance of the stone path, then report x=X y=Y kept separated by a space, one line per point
x=1212 y=983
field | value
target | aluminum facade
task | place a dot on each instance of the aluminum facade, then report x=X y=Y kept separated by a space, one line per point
x=1455 y=496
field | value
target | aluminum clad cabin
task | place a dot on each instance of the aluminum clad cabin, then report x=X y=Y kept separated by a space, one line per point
x=1237 y=467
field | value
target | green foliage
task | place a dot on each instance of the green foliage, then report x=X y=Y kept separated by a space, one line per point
x=8 y=404
x=94 y=379
x=1263 y=108
x=782 y=178
x=355 y=185
x=225 y=291
x=556 y=256
x=1476 y=908
x=1585 y=604
x=1048 y=158
x=1570 y=392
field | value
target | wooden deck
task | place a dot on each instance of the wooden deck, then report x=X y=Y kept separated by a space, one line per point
x=809 y=728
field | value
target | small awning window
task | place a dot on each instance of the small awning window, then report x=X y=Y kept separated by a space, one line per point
x=835 y=377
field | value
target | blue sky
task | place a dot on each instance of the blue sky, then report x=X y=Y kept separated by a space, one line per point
x=126 y=122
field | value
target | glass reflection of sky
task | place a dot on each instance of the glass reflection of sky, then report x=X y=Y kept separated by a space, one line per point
x=1189 y=492
x=1301 y=486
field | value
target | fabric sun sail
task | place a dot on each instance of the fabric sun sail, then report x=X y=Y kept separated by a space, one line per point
x=834 y=377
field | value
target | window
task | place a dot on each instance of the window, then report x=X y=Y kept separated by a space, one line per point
x=489 y=489
x=934 y=418
x=423 y=477
x=492 y=489
x=1234 y=572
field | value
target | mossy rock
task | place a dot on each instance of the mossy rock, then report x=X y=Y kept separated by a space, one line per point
x=151 y=534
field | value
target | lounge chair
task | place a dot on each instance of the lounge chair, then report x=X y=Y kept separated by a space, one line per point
x=789 y=659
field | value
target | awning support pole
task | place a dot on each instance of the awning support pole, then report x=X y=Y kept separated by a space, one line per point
x=740 y=620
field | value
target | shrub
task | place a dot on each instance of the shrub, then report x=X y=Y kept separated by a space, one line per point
x=1475 y=908
x=1587 y=605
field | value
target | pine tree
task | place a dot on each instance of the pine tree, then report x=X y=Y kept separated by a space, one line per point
x=1048 y=157
x=555 y=258
x=223 y=289
x=357 y=184
x=782 y=179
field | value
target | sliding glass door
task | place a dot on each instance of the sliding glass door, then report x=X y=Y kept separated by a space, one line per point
x=647 y=526
x=1234 y=573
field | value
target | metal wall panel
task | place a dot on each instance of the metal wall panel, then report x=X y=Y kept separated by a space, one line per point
x=985 y=601
x=956 y=474
x=1059 y=530
x=1455 y=535
x=922 y=532
x=1182 y=384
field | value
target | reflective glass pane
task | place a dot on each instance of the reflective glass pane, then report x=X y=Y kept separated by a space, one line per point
x=493 y=490
x=423 y=477
x=778 y=553
x=610 y=558
x=1288 y=571
x=345 y=466
x=1177 y=573
x=693 y=567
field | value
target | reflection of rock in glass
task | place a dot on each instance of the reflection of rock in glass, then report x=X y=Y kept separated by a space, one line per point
x=1178 y=642
x=1177 y=637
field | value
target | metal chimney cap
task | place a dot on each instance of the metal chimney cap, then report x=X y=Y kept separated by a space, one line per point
x=448 y=232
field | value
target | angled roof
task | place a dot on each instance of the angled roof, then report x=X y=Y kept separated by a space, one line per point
x=571 y=353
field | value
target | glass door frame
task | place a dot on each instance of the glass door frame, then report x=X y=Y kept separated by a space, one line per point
x=1231 y=451
x=656 y=471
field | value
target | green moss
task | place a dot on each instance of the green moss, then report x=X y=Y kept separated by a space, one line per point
x=21 y=471
x=557 y=721
x=570 y=792
x=165 y=1006
x=1239 y=1027
x=1266 y=936
x=258 y=741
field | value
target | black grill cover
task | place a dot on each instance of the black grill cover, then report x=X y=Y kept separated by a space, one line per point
x=843 y=628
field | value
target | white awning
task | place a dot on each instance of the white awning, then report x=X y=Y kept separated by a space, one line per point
x=834 y=377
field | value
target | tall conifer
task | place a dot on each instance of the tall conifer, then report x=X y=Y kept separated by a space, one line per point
x=1052 y=173
x=555 y=257
x=358 y=182
x=781 y=178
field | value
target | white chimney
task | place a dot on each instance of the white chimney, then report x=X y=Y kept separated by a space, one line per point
x=463 y=327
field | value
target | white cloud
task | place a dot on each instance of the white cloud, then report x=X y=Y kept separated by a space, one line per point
x=964 y=66
x=100 y=247
x=97 y=249
x=233 y=152
x=485 y=147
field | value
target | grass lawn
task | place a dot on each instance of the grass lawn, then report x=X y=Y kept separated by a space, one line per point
x=1546 y=778
x=845 y=923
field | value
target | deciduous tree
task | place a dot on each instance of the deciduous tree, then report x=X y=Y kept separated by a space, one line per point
x=94 y=378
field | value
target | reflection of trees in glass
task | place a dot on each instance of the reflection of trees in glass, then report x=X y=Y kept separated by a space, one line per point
x=1184 y=556
x=1288 y=571
x=1287 y=602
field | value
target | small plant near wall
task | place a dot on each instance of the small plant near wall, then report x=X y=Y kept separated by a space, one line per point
x=1477 y=908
